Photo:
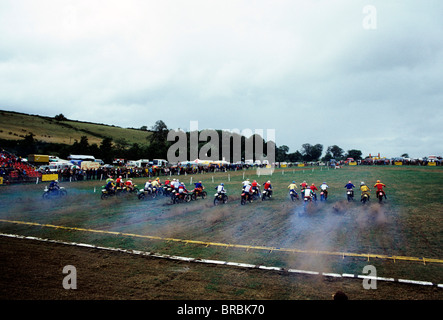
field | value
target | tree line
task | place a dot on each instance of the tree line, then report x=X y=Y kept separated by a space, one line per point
x=312 y=153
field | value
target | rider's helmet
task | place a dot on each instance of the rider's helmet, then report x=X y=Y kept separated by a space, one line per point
x=293 y=181
x=56 y=181
x=362 y=183
x=221 y=184
x=378 y=181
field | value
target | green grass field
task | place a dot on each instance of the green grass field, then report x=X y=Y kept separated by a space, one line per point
x=408 y=224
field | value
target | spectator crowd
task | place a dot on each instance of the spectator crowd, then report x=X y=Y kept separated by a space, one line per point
x=13 y=168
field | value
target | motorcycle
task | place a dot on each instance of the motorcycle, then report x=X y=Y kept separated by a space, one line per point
x=106 y=194
x=307 y=199
x=48 y=194
x=198 y=193
x=245 y=197
x=350 y=195
x=167 y=191
x=380 y=195
x=364 y=197
x=324 y=195
x=266 y=194
x=160 y=191
x=127 y=189
x=116 y=191
x=172 y=194
x=220 y=198
x=293 y=195
x=314 y=196
x=256 y=193
x=150 y=193
x=181 y=197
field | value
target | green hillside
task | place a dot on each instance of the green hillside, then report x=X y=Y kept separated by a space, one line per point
x=14 y=126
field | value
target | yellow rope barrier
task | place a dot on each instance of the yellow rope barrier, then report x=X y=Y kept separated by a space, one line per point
x=238 y=246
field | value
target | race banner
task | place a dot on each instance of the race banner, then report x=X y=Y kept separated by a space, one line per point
x=50 y=177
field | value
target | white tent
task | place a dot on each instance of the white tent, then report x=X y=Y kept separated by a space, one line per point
x=81 y=157
x=202 y=162
x=220 y=163
x=187 y=163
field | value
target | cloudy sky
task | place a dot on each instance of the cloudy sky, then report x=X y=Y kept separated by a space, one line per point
x=364 y=75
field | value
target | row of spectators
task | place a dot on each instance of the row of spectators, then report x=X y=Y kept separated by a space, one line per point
x=15 y=169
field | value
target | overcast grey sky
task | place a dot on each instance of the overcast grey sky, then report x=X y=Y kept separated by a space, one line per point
x=362 y=75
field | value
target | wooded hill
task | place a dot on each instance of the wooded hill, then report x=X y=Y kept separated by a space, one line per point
x=25 y=134
x=59 y=130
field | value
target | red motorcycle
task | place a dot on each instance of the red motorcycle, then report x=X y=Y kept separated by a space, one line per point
x=245 y=196
x=198 y=193
x=181 y=197
x=380 y=194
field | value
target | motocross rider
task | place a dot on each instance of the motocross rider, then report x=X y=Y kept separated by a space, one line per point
x=148 y=185
x=110 y=186
x=182 y=189
x=155 y=184
x=198 y=187
x=292 y=187
x=248 y=192
x=379 y=187
x=129 y=185
x=314 y=188
x=245 y=183
x=308 y=193
x=221 y=190
x=349 y=186
x=267 y=187
x=255 y=187
x=119 y=182
x=53 y=186
x=324 y=187
x=364 y=190
x=174 y=185
x=303 y=186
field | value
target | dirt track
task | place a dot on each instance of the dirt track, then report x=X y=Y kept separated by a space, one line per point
x=32 y=270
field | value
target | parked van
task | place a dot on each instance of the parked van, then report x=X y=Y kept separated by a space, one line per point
x=159 y=162
x=55 y=167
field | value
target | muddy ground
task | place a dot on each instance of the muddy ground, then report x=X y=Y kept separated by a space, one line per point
x=33 y=270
